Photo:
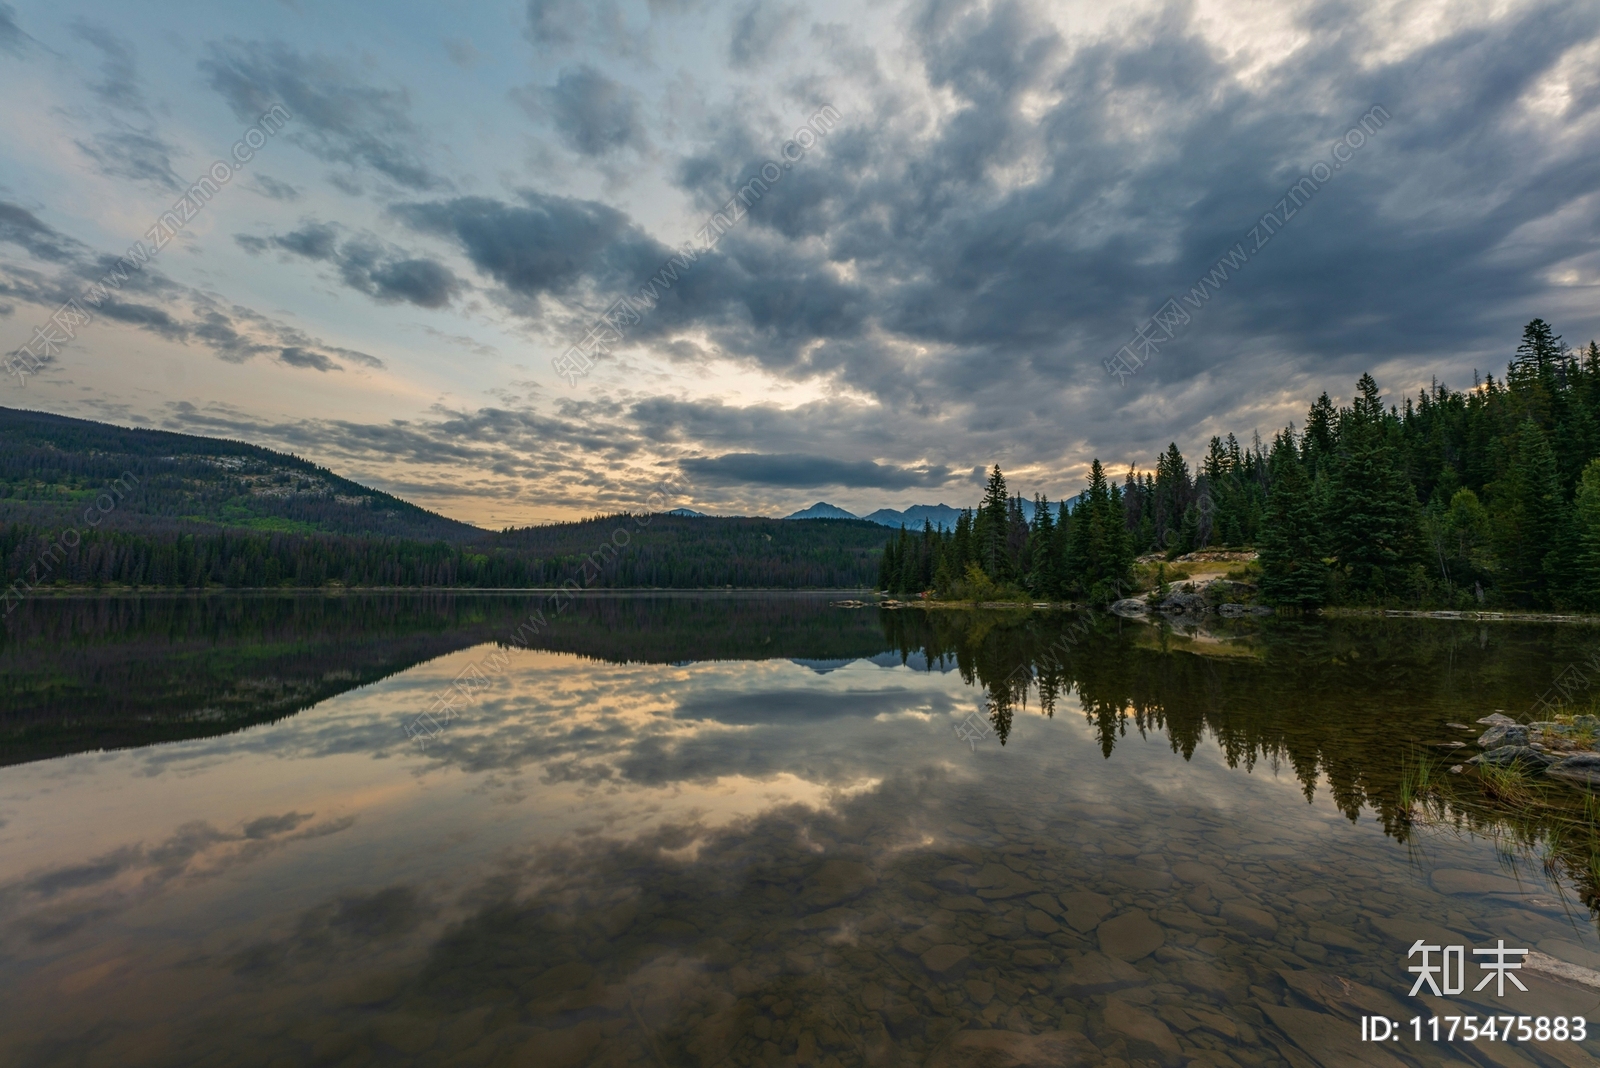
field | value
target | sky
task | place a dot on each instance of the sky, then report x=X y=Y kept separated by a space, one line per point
x=909 y=237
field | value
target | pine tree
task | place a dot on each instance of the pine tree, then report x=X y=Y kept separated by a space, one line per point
x=1373 y=516
x=961 y=549
x=1044 y=575
x=1321 y=436
x=1528 y=518
x=1586 y=538
x=992 y=526
x=1098 y=560
x=1293 y=572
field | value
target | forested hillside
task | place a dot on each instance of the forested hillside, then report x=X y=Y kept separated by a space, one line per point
x=53 y=467
x=178 y=511
x=1453 y=498
x=659 y=551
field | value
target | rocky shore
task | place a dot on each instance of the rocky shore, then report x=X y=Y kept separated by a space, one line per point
x=1560 y=750
x=1222 y=596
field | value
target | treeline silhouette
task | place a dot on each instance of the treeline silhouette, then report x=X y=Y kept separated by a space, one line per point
x=664 y=552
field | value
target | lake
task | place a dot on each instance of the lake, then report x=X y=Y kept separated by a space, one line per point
x=753 y=829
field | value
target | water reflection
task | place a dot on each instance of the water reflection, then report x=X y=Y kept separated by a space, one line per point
x=683 y=849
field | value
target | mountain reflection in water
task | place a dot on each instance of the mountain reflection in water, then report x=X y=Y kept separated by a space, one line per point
x=744 y=830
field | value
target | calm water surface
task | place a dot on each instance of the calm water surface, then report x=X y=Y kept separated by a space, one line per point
x=754 y=830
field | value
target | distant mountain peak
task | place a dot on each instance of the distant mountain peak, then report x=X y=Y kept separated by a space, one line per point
x=822 y=510
x=688 y=512
x=942 y=516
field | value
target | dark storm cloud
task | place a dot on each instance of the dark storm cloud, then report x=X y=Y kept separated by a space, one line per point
x=1354 y=274
x=546 y=244
x=801 y=470
x=762 y=299
x=366 y=264
x=593 y=114
x=337 y=117
x=1071 y=189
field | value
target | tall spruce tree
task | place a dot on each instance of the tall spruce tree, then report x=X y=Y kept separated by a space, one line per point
x=1293 y=572
x=1373 y=516
x=1528 y=517
x=1099 y=552
x=1586 y=539
x=991 y=529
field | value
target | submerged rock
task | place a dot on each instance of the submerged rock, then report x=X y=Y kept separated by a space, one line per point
x=1131 y=936
x=1012 y=1049
x=1495 y=719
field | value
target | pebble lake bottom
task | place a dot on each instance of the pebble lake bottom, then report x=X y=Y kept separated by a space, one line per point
x=889 y=840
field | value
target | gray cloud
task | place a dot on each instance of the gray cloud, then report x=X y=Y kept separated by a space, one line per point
x=593 y=114
x=149 y=300
x=337 y=117
x=546 y=244
x=462 y=52
x=12 y=37
x=295 y=356
x=276 y=190
x=757 y=29
x=956 y=259
x=133 y=154
x=802 y=470
x=21 y=227
x=138 y=155
x=366 y=264
x=555 y=21
x=119 y=84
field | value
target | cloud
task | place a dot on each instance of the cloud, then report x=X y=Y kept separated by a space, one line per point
x=135 y=155
x=337 y=117
x=119 y=84
x=124 y=151
x=555 y=21
x=462 y=52
x=593 y=114
x=298 y=357
x=12 y=38
x=757 y=29
x=547 y=244
x=149 y=300
x=368 y=265
x=21 y=227
x=801 y=470
x=274 y=189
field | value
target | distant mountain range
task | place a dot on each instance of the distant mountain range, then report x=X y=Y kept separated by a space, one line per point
x=942 y=516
